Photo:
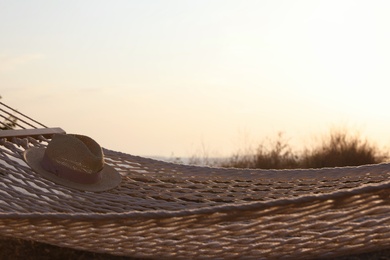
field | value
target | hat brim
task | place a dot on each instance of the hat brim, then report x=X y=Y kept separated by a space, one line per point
x=110 y=177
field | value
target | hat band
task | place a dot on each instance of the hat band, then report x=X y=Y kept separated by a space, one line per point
x=69 y=173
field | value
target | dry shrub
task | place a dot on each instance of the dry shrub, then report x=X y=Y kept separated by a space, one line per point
x=336 y=150
x=277 y=155
x=342 y=149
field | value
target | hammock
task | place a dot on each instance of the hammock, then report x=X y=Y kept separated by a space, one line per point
x=164 y=210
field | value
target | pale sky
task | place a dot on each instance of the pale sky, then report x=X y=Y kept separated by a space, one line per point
x=175 y=77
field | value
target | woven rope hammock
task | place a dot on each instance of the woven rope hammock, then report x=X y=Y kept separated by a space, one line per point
x=164 y=210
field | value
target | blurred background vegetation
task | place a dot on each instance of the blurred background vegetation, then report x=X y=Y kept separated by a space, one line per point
x=336 y=149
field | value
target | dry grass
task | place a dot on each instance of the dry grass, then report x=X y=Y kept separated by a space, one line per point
x=336 y=150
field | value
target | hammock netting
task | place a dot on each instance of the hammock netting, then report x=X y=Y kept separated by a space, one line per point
x=165 y=210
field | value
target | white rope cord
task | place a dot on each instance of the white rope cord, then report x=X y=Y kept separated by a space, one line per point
x=169 y=211
x=21 y=121
x=164 y=210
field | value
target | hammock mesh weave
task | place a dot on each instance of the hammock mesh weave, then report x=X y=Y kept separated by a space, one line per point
x=164 y=210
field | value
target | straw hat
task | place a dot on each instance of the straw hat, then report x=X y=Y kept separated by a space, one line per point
x=75 y=161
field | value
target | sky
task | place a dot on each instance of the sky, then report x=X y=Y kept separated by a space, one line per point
x=180 y=78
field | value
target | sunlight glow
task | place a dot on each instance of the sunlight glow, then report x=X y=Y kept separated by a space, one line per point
x=162 y=78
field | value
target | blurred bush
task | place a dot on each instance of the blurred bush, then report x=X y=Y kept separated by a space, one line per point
x=337 y=149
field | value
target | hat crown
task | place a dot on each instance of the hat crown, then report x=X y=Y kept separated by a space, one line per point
x=74 y=161
x=76 y=152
